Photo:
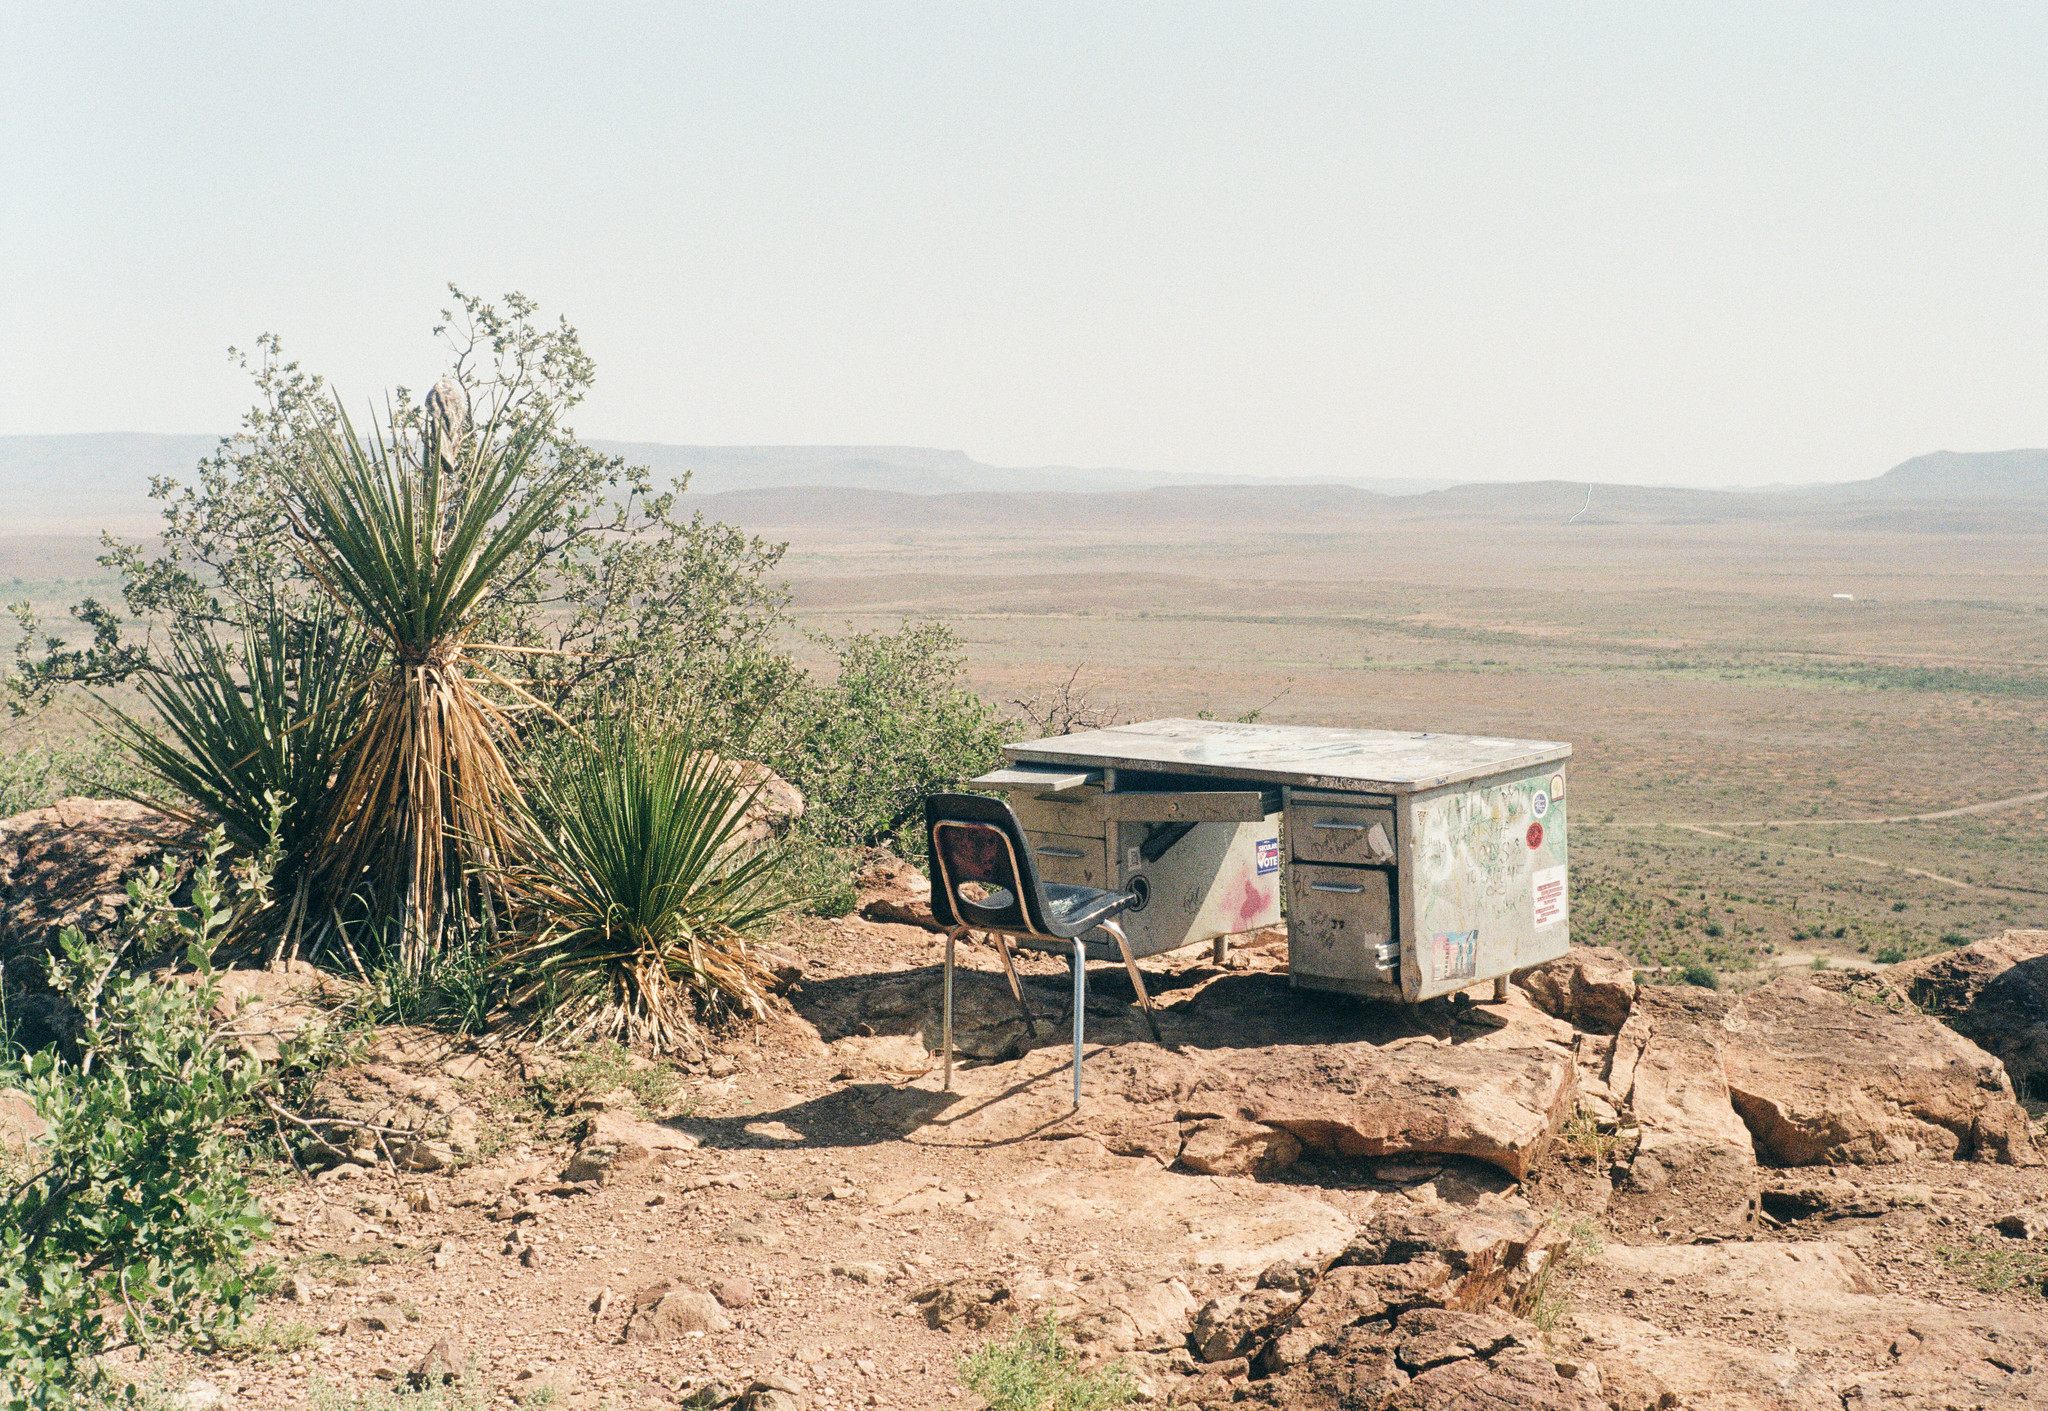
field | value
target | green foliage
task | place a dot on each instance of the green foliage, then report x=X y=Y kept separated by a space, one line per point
x=606 y=1067
x=635 y=895
x=456 y=988
x=895 y=724
x=819 y=873
x=37 y=770
x=1036 y=1369
x=239 y=731
x=1998 y=1267
x=137 y=1216
x=1704 y=976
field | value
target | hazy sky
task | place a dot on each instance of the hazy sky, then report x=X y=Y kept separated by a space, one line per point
x=1711 y=243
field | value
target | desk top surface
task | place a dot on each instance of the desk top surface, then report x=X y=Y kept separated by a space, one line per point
x=1310 y=756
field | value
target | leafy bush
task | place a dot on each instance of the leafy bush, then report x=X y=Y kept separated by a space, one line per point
x=1703 y=976
x=896 y=723
x=1035 y=1369
x=137 y=1214
x=636 y=899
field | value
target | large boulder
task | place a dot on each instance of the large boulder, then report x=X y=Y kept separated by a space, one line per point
x=68 y=864
x=775 y=803
x=1693 y=1172
x=1589 y=986
x=1828 y=1076
x=1994 y=993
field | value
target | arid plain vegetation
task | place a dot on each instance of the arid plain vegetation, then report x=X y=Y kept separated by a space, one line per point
x=1735 y=723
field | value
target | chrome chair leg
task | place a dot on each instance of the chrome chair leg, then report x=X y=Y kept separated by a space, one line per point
x=1080 y=1010
x=946 y=1023
x=1137 y=980
x=1016 y=988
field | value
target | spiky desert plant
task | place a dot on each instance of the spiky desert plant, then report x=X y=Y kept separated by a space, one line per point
x=248 y=733
x=410 y=539
x=637 y=896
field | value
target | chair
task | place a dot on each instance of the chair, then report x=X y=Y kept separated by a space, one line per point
x=984 y=879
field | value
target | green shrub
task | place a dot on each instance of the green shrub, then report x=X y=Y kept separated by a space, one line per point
x=635 y=901
x=1889 y=955
x=137 y=1212
x=1704 y=976
x=1035 y=1369
x=239 y=728
x=895 y=724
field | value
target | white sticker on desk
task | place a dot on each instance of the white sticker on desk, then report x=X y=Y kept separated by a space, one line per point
x=1547 y=892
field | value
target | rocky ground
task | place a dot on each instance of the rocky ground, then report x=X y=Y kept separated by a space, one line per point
x=1812 y=1194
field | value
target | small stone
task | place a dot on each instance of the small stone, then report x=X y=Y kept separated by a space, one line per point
x=444 y=1362
x=300 y=1289
x=531 y=1256
x=733 y=1293
x=862 y=1272
x=661 y=1313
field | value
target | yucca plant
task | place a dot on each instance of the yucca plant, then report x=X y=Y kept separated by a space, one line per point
x=636 y=900
x=410 y=539
x=249 y=736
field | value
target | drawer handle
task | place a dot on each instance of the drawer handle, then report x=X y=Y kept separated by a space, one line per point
x=1347 y=888
x=1061 y=852
x=1336 y=827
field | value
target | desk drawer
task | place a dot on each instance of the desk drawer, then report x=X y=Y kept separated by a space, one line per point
x=1340 y=928
x=1071 y=859
x=1354 y=833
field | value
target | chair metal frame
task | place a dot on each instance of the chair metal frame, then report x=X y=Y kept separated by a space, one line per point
x=1028 y=908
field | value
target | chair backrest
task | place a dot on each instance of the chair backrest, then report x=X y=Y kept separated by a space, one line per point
x=982 y=872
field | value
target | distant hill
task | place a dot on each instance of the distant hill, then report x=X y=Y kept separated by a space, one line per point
x=1963 y=475
x=85 y=483
x=96 y=480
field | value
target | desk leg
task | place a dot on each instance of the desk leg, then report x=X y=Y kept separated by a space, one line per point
x=1219 y=951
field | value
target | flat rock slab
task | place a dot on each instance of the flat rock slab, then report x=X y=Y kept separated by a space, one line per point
x=1247 y=1056
x=1694 y=1171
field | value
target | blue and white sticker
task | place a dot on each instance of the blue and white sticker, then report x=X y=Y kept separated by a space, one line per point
x=1269 y=856
x=1539 y=803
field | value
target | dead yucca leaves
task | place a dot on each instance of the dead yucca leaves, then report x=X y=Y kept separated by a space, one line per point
x=410 y=546
x=634 y=899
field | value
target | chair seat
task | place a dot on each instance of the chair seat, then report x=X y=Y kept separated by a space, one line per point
x=1075 y=911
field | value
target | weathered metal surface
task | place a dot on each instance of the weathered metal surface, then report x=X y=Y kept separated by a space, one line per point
x=1484 y=885
x=1340 y=923
x=1045 y=778
x=1322 y=829
x=1308 y=756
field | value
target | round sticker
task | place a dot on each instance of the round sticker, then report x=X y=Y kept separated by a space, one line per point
x=1539 y=803
x=1557 y=787
x=1535 y=835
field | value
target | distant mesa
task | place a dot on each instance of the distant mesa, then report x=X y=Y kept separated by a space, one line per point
x=81 y=484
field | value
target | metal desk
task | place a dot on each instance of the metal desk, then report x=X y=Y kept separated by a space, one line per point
x=1415 y=864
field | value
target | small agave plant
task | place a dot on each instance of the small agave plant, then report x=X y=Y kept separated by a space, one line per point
x=635 y=899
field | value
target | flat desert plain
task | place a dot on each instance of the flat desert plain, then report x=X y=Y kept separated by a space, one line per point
x=1765 y=773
